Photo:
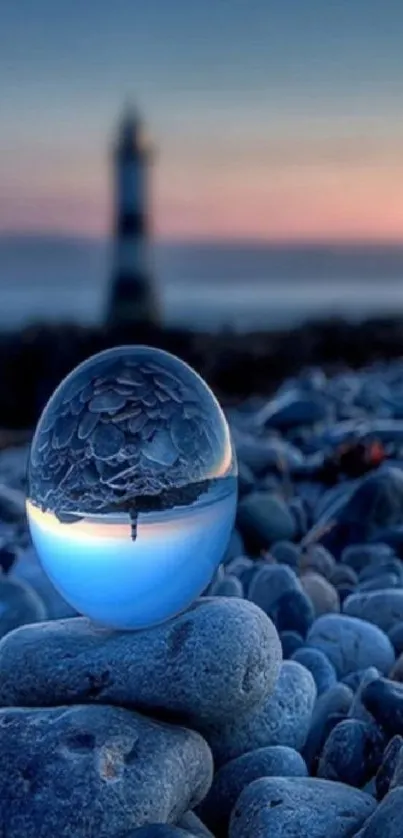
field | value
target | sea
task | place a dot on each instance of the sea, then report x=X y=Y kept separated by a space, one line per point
x=205 y=285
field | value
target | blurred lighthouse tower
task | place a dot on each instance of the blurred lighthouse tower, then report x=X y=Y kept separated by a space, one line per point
x=132 y=296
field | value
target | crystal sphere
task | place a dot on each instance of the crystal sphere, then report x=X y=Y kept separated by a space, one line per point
x=131 y=487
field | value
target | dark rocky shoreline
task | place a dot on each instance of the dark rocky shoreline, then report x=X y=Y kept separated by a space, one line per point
x=34 y=360
x=272 y=706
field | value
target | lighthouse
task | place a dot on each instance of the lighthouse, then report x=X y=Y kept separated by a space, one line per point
x=132 y=297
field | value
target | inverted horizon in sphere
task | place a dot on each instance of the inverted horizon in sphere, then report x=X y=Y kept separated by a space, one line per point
x=132 y=487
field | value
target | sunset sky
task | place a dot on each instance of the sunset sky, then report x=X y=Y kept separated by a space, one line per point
x=273 y=119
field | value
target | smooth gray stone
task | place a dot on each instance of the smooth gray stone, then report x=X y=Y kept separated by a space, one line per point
x=383 y=698
x=264 y=518
x=359 y=556
x=381 y=582
x=337 y=700
x=290 y=642
x=211 y=663
x=99 y=770
x=388 y=564
x=240 y=565
x=228 y=586
x=12 y=504
x=218 y=576
x=269 y=583
x=299 y=512
x=282 y=719
x=376 y=503
x=387 y=768
x=244 y=569
x=351 y=643
x=344 y=574
x=357 y=709
x=352 y=753
x=27 y=568
x=383 y=608
x=319 y=665
x=190 y=822
x=323 y=595
x=285 y=552
x=386 y=821
x=235 y=547
x=303 y=807
x=292 y=409
x=230 y=780
x=396 y=637
x=318 y=559
x=397 y=778
x=19 y=605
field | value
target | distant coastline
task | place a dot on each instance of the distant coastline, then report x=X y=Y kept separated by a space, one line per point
x=207 y=285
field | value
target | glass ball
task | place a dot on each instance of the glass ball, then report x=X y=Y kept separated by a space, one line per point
x=131 y=487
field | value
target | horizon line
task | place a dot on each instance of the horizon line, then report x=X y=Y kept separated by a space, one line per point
x=203 y=240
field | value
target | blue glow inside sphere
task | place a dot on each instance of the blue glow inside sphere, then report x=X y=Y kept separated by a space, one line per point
x=131 y=487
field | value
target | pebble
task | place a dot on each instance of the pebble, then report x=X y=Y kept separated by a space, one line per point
x=19 y=605
x=305 y=807
x=317 y=558
x=323 y=671
x=351 y=643
x=375 y=504
x=299 y=512
x=396 y=672
x=230 y=780
x=382 y=581
x=27 y=569
x=284 y=718
x=12 y=504
x=285 y=552
x=384 y=700
x=92 y=757
x=323 y=594
x=382 y=608
x=358 y=709
x=269 y=583
x=215 y=661
x=290 y=642
x=353 y=679
x=386 y=769
x=240 y=566
x=190 y=822
x=352 y=753
x=333 y=703
x=235 y=547
x=264 y=518
x=387 y=564
x=318 y=550
x=293 y=611
x=228 y=586
x=292 y=409
x=360 y=556
x=386 y=821
x=343 y=574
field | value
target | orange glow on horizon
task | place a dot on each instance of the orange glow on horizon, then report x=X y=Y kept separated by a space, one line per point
x=92 y=529
x=256 y=200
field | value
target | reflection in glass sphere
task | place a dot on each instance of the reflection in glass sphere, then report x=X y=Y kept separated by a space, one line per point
x=131 y=487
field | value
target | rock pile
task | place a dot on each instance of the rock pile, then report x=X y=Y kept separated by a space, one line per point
x=274 y=705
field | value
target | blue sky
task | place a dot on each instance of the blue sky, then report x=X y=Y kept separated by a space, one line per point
x=279 y=119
